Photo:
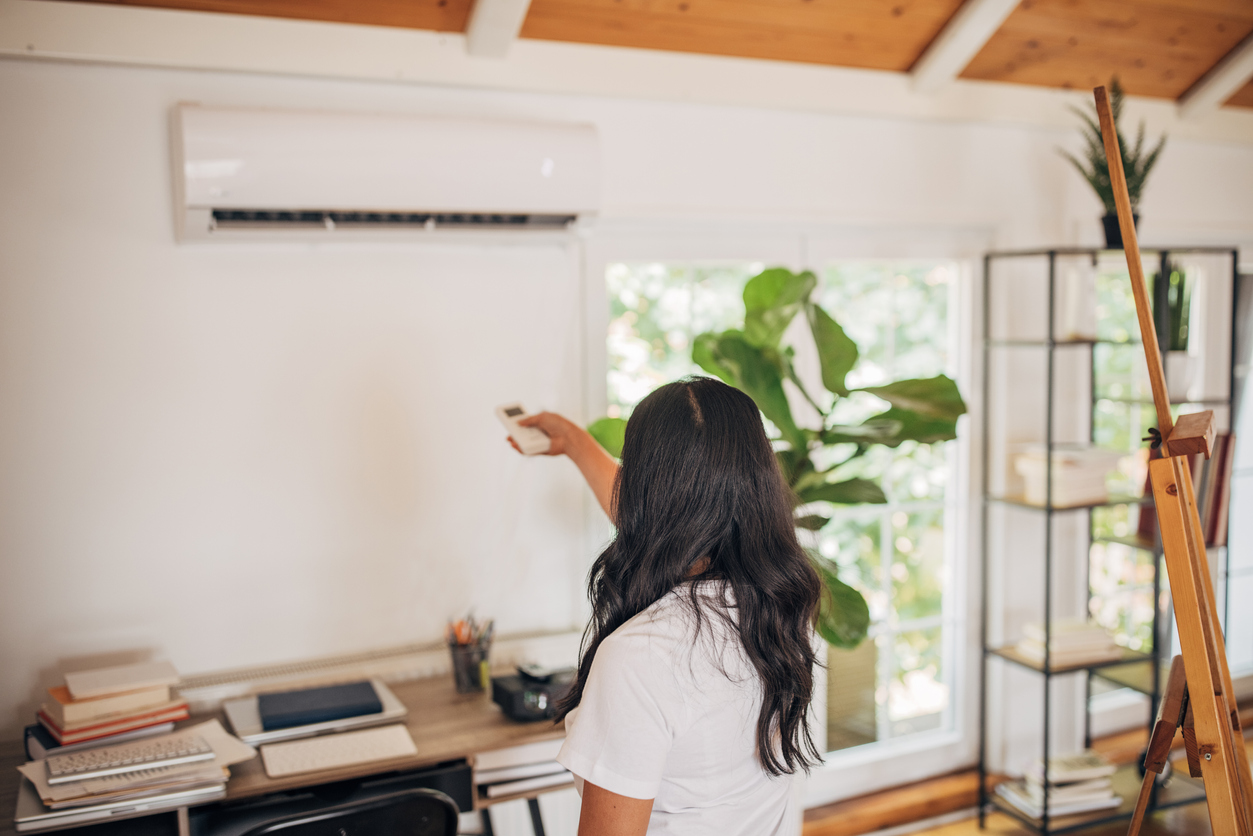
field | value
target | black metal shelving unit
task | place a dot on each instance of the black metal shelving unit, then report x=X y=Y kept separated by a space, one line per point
x=1141 y=671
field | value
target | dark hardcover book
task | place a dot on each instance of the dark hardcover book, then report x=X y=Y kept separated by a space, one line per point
x=39 y=742
x=317 y=705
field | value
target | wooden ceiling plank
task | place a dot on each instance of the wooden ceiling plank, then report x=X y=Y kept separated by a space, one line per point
x=494 y=26
x=1220 y=83
x=436 y=15
x=959 y=41
x=854 y=33
x=1157 y=47
x=1243 y=97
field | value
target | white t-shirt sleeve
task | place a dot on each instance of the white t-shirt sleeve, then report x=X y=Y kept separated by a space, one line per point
x=632 y=709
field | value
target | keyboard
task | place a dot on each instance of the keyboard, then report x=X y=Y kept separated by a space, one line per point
x=151 y=753
x=331 y=751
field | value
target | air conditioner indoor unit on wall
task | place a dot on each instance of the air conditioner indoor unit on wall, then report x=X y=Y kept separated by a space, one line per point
x=271 y=174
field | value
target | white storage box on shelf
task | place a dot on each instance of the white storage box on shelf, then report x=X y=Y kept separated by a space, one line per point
x=1079 y=473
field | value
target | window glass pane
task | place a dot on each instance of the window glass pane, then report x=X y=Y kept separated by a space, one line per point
x=1127 y=613
x=852 y=708
x=897 y=313
x=1115 y=304
x=918 y=567
x=654 y=312
x=917 y=691
x=852 y=541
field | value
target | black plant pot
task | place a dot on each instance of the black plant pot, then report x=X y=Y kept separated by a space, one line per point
x=1113 y=233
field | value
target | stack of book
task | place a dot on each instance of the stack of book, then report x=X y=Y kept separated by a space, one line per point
x=1078 y=783
x=1072 y=642
x=105 y=706
x=187 y=766
x=519 y=769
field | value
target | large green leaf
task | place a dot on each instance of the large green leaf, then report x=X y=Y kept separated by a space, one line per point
x=609 y=433
x=916 y=427
x=705 y=355
x=837 y=353
x=807 y=479
x=795 y=465
x=772 y=299
x=757 y=372
x=934 y=397
x=812 y=522
x=848 y=492
x=877 y=430
x=843 y=616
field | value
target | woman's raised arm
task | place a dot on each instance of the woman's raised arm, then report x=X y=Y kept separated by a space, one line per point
x=594 y=462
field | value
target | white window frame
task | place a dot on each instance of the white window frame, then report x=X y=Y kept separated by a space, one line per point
x=877 y=766
x=865 y=769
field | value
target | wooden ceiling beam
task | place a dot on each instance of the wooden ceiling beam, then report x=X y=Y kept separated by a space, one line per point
x=494 y=26
x=1220 y=83
x=958 y=42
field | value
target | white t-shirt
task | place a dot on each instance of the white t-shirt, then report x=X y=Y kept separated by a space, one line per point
x=671 y=718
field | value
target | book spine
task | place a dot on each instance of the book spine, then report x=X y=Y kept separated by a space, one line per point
x=1224 y=493
x=102 y=709
x=65 y=737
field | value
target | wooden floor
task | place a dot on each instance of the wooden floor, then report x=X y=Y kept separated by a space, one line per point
x=1184 y=821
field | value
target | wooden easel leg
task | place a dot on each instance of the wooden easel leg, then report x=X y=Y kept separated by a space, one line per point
x=1171 y=714
x=1240 y=755
x=1171 y=481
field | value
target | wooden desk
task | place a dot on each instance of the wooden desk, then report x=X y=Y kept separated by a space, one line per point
x=445 y=726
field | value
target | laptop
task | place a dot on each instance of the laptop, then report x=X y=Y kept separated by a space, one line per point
x=32 y=815
x=245 y=719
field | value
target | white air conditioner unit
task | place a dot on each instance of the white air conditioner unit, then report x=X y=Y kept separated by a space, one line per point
x=242 y=174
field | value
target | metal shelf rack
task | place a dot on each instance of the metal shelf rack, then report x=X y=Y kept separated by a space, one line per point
x=1141 y=671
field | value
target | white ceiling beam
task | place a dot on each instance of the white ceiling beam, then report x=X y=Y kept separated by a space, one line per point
x=494 y=26
x=958 y=42
x=1218 y=85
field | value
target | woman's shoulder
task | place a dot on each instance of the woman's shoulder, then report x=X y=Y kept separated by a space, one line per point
x=686 y=619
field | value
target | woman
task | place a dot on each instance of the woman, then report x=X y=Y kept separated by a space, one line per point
x=688 y=712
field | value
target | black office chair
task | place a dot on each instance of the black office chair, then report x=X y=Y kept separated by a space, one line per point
x=416 y=812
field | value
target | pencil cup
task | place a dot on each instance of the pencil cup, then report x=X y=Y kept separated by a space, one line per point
x=469 y=667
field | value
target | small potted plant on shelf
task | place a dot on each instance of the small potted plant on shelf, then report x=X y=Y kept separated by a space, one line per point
x=755 y=360
x=1137 y=162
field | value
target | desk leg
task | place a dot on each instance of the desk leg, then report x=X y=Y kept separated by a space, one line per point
x=485 y=816
x=537 y=823
x=184 y=823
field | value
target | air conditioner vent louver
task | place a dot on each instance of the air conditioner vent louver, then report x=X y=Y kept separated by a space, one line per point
x=332 y=219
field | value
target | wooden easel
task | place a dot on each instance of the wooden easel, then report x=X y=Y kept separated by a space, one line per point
x=1200 y=696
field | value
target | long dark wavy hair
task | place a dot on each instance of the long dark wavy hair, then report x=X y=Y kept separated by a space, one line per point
x=699 y=479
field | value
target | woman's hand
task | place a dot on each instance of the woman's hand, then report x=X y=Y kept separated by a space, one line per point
x=557 y=427
x=594 y=462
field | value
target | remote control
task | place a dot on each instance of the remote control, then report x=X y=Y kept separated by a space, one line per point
x=530 y=440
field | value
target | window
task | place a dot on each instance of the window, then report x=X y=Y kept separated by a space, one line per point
x=899 y=684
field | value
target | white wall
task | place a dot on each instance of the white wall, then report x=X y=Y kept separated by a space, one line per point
x=237 y=454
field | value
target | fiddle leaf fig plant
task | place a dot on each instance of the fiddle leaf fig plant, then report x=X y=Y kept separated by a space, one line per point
x=754 y=359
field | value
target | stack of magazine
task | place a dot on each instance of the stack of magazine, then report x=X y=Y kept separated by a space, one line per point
x=1078 y=783
x=49 y=799
x=1072 y=642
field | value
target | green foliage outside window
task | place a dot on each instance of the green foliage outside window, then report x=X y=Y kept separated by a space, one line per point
x=819 y=461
